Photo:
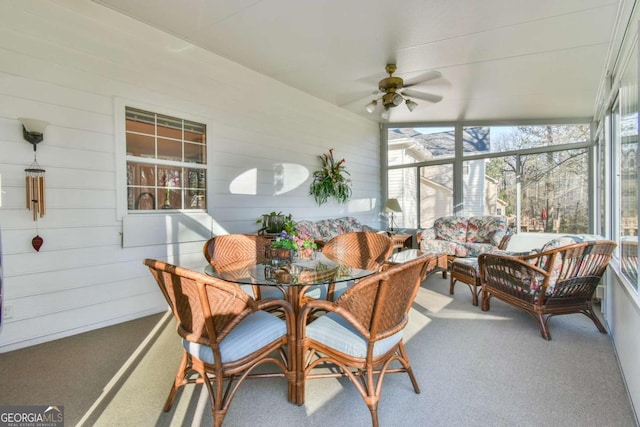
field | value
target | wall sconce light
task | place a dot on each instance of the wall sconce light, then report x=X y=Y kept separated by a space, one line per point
x=32 y=132
x=392 y=206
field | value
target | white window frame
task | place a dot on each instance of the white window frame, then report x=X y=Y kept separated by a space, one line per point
x=142 y=228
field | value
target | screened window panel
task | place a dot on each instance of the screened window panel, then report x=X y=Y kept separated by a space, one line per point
x=436 y=193
x=415 y=145
x=626 y=124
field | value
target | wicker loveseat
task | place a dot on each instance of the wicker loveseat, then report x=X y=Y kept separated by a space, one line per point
x=459 y=236
x=559 y=279
x=325 y=229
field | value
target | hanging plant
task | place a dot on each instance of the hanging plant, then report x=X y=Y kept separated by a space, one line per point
x=330 y=181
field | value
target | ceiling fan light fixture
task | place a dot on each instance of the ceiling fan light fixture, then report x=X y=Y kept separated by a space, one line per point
x=385 y=114
x=370 y=107
x=392 y=99
x=411 y=105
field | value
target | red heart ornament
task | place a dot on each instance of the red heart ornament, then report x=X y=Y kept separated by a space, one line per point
x=36 y=242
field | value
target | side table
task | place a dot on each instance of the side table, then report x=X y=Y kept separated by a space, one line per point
x=466 y=271
x=402 y=241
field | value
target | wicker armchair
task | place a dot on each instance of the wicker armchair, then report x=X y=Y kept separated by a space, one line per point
x=555 y=281
x=225 y=334
x=361 y=332
x=362 y=249
x=235 y=253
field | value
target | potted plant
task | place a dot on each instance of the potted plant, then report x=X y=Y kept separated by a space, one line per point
x=330 y=180
x=282 y=247
x=273 y=222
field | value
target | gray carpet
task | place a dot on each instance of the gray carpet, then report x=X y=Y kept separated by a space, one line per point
x=73 y=371
x=474 y=368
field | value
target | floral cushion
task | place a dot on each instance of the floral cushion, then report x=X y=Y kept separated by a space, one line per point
x=452 y=228
x=329 y=228
x=326 y=229
x=443 y=247
x=349 y=224
x=308 y=228
x=475 y=249
x=486 y=229
x=464 y=237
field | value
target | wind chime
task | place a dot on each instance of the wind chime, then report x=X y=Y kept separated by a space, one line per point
x=36 y=202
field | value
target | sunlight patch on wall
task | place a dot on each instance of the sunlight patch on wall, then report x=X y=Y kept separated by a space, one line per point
x=361 y=205
x=288 y=177
x=245 y=183
x=285 y=177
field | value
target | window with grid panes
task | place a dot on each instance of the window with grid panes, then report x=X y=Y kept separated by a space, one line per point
x=166 y=162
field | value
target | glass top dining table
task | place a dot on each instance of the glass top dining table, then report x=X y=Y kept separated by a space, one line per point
x=298 y=272
x=294 y=277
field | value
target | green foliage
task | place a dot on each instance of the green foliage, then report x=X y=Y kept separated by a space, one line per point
x=330 y=181
x=292 y=241
x=284 y=241
x=275 y=222
x=289 y=225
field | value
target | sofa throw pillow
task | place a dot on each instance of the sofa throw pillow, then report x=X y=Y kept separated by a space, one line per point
x=486 y=229
x=451 y=228
x=308 y=228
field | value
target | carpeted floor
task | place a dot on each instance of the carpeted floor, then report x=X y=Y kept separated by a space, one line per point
x=474 y=368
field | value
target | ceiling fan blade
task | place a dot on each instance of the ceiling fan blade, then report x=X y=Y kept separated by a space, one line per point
x=430 y=97
x=422 y=78
x=351 y=98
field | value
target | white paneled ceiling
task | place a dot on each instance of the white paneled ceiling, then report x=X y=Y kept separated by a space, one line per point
x=499 y=59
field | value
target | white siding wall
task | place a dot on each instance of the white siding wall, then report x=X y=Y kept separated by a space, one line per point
x=69 y=62
x=623 y=319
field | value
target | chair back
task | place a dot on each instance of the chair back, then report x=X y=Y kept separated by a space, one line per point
x=230 y=252
x=583 y=262
x=360 y=249
x=380 y=303
x=204 y=307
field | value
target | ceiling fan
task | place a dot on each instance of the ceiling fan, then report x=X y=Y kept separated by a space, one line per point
x=394 y=92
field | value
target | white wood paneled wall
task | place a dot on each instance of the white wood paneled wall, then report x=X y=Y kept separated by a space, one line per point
x=66 y=62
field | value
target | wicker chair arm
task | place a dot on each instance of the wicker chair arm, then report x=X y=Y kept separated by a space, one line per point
x=314 y=306
x=505 y=240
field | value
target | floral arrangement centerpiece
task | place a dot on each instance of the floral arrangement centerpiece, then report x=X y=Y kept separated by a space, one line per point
x=285 y=245
x=306 y=246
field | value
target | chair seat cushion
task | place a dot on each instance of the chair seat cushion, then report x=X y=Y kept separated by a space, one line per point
x=252 y=333
x=334 y=331
x=471 y=262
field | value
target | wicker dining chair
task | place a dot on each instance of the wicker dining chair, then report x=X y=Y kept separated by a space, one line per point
x=225 y=334
x=557 y=281
x=361 y=332
x=235 y=253
x=361 y=249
